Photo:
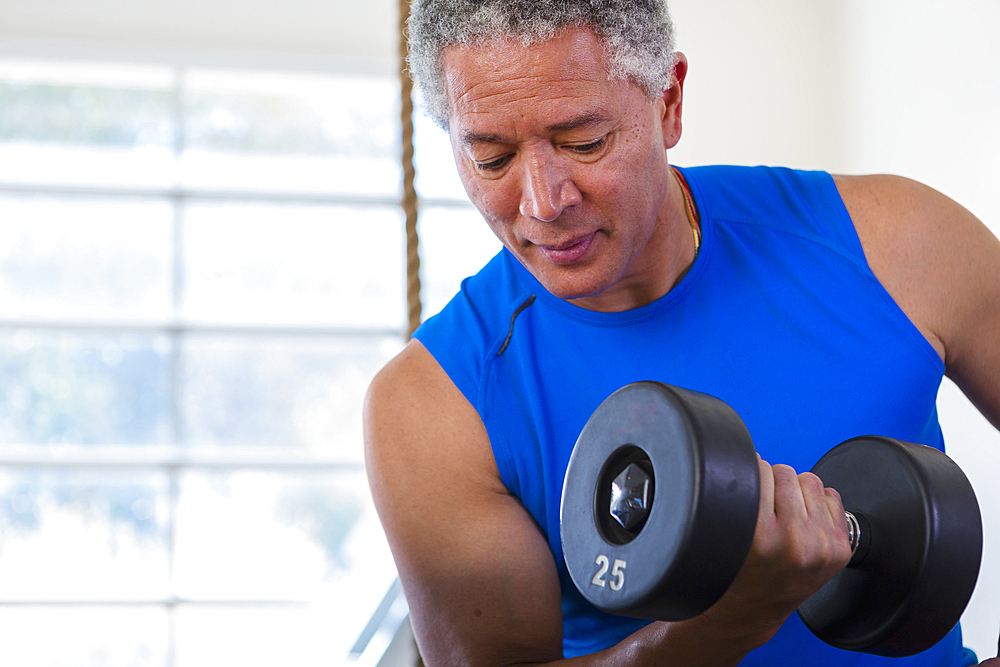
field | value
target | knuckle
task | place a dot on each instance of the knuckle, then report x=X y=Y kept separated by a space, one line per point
x=782 y=472
x=813 y=486
x=810 y=480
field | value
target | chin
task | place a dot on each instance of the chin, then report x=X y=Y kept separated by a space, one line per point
x=570 y=282
x=569 y=290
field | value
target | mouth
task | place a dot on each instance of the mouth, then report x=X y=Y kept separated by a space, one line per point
x=569 y=252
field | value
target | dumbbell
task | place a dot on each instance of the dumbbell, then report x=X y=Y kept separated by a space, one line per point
x=659 y=508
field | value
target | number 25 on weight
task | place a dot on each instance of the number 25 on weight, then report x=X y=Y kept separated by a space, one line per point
x=617 y=572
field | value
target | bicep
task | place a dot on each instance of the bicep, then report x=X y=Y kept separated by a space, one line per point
x=478 y=574
x=962 y=283
x=973 y=346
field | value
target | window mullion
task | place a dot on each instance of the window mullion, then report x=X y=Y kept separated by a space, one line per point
x=177 y=289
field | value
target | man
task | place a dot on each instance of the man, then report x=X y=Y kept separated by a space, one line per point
x=819 y=307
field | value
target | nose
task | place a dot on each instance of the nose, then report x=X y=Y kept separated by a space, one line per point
x=547 y=190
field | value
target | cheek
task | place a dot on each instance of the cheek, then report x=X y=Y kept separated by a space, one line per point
x=614 y=185
x=497 y=200
x=644 y=184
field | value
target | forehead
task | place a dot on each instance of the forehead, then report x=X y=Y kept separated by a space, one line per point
x=507 y=83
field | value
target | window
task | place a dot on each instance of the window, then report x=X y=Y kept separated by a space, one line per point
x=455 y=241
x=200 y=271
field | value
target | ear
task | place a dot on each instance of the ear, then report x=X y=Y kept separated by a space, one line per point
x=673 y=103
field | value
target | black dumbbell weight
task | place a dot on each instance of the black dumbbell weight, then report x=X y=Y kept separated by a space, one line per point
x=923 y=555
x=697 y=518
x=660 y=504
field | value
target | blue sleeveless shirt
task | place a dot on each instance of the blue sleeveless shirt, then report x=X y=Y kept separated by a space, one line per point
x=779 y=316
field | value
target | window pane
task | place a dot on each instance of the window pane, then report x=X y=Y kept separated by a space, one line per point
x=292 y=132
x=304 y=636
x=86 y=535
x=437 y=177
x=307 y=536
x=73 y=123
x=83 y=637
x=93 y=258
x=284 y=392
x=299 y=265
x=83 y=388
x=310 y=537
x=454 y=244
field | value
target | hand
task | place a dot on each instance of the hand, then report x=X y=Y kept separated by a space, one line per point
x=800 y=542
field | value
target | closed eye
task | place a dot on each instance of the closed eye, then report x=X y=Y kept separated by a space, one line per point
x=587 y=149
x=493 y=165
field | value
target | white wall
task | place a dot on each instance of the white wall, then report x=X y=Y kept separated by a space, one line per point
x=910 y=87
x=924 y=101
x=754 y=92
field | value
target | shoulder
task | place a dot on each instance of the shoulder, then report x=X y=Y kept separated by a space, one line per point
x=940 y=263
x=413 y=392
x=882 y=203
x=417 y=424
x=896 y=220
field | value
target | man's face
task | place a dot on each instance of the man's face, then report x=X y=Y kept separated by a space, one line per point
x=568 y=168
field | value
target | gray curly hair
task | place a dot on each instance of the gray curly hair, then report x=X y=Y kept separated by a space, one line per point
x=638 y=37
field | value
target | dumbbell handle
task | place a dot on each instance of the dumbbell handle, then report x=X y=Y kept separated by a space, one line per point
x=860 y=535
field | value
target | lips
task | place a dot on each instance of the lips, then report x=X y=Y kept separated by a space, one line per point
x=569 y=252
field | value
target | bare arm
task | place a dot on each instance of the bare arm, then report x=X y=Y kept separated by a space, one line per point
x=480 y=578
x=942 y=266
x=477 y=573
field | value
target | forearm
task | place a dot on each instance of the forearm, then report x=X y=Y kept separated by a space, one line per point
x=700 y=641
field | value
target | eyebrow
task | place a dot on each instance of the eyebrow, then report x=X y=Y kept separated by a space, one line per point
x=592 y=118
x=471 y=138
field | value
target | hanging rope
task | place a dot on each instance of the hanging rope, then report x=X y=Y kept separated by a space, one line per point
x=410 y=202
x=409 y=193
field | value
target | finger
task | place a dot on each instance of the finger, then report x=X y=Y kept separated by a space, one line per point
x=813 y=495
x=789 y=505
x=766 y=490
x=832 y=500
x=834 y=504
x=825 y=507
x=835 y=507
